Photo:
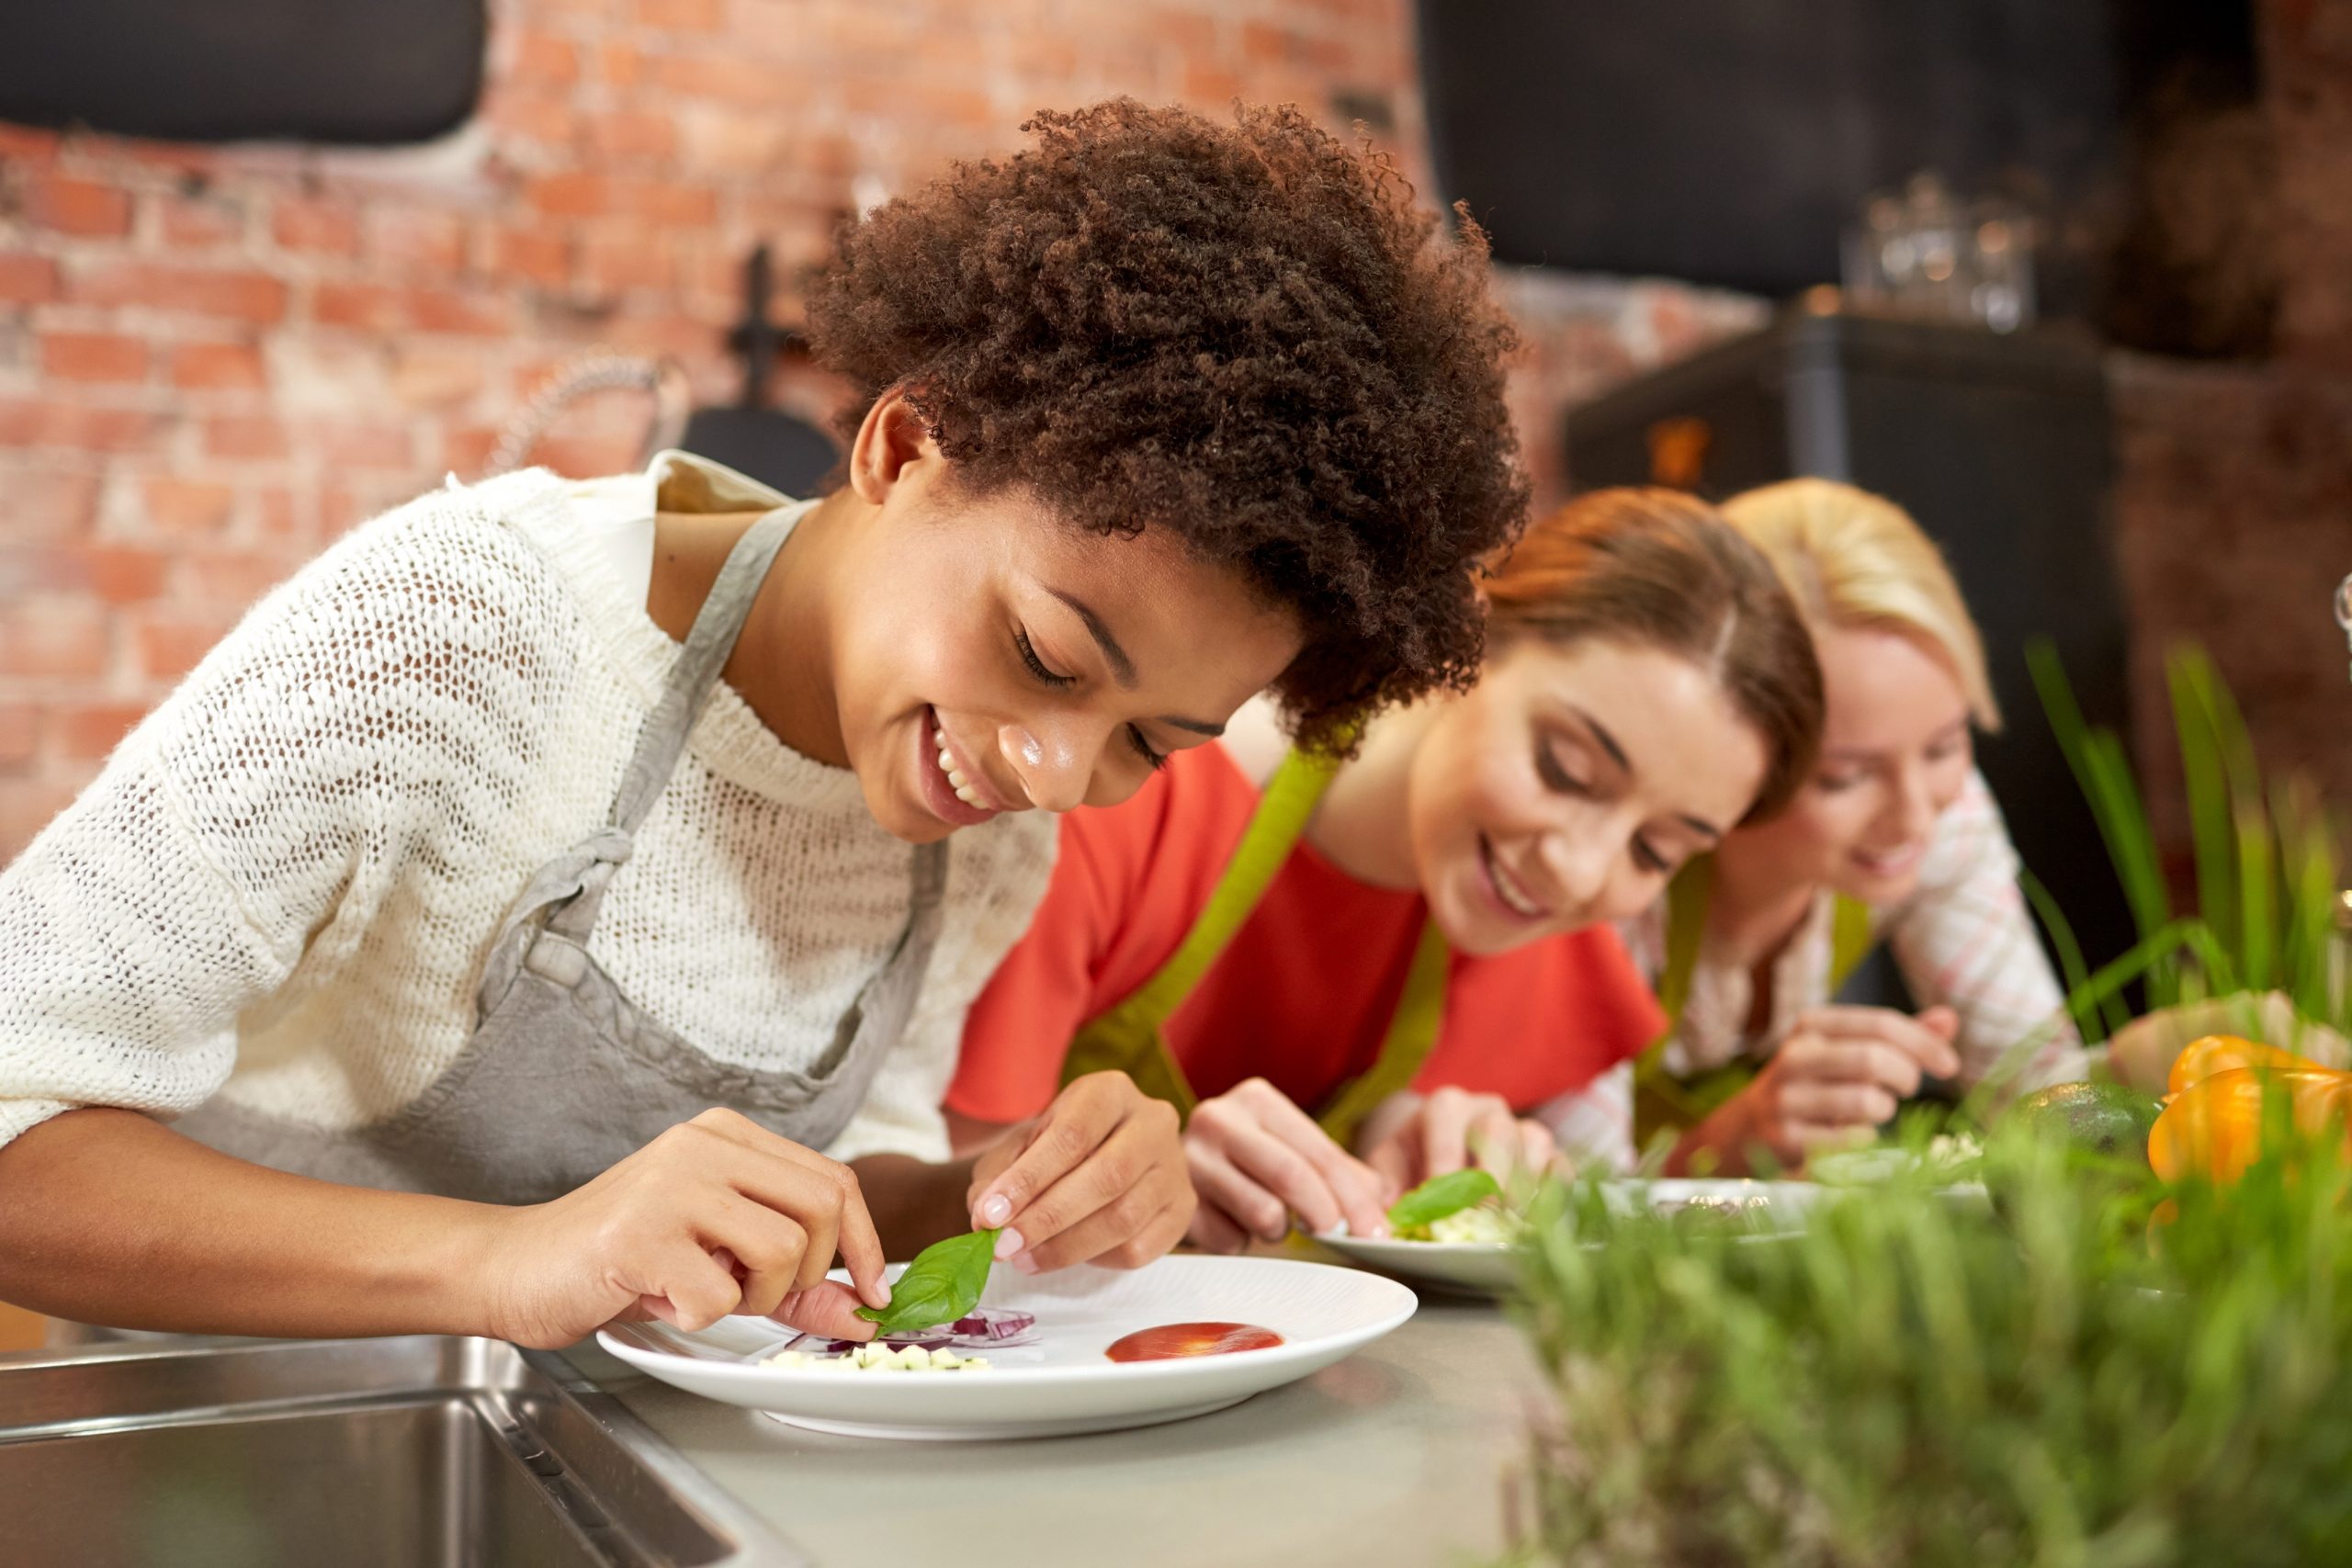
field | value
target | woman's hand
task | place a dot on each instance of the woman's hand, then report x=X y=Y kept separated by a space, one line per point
x=2140 y=1052
x=1256 y=1160
x=1410 y=1137
x=717 y=1216
x=1840 y=1075
x=1098 y=1179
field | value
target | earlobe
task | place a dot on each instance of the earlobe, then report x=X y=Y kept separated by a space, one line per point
x=893 y=440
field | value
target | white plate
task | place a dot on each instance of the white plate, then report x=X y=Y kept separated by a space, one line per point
x=1467 y=1268
x=1061 y=1382
x=1484 y=1268
x=1766 y=1205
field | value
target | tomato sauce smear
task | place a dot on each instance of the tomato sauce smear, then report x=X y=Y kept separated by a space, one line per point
x=1171 y=1340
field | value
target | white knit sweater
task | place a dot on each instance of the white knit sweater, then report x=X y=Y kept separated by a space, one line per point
x=284 y=884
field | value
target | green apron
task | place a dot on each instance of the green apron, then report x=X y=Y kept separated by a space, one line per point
x=1663 y=1101
x=1131 y=1038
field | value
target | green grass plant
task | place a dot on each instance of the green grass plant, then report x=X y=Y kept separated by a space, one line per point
x=2267 y=867
x=1911 y=1381
x=2092 y=1370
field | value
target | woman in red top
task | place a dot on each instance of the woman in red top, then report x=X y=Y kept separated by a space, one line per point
x=1356 y=977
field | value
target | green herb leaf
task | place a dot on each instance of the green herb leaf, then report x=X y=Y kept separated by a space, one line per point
x=1442 y=1195
x=941 y=1284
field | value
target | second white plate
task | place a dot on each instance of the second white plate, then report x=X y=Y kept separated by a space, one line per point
x=1467 y=1268
x=1486 y=1269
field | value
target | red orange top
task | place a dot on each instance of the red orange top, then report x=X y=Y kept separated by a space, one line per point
x=1304 y=995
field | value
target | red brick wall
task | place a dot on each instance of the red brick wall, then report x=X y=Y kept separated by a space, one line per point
x=213 y=360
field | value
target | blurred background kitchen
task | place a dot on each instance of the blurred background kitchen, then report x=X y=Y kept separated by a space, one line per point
x=2070 y=278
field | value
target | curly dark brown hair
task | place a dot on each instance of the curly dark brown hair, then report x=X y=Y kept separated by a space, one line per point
x=1248 y=335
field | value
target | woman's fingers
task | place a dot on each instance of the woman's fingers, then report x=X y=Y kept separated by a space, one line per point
x=1537 y=1147
x=1864 y=1061
x=687 y=1287
x=1246 y=1207
x=1118 y=1233
x=1065 y=1137
x=822 y=1195
x=1831 y=1104
x=1359 y=1191
x=1445 y=1122
x=1493 y=1141
x=1929 y=1043
x=1111 y=1195
x=1457 y=1128
x=771 y=1251
x=828 y=1307
x=1392 y=1158
x=1158 y=1238
x=1106 y=1153
x=825 y=1203
x=1213 y=1230
x=1275 y=1164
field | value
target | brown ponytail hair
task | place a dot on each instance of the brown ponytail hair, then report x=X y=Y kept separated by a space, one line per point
x=1661 y=569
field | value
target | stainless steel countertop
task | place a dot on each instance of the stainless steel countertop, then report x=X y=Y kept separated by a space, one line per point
x=1396 y=1455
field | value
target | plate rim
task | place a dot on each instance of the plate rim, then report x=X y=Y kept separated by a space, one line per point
x=1396 y=1314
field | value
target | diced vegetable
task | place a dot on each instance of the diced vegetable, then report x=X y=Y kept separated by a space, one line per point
x=982 y=1328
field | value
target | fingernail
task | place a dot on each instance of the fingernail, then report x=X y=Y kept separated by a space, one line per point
x=787 y=1307
x=995 y=1209
x=1025 y=1263
x=881 y=1293
x=1007 y=1243
x=1379 y=1231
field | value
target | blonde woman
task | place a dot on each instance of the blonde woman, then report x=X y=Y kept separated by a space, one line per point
x=1894 y=841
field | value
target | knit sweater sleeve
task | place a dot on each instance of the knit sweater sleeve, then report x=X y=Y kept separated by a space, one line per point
x=260 y=808
x=125 y=956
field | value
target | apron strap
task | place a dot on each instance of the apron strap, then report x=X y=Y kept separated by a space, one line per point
x=1850 y=940
x=662 y=736
x=1131 y=1037
x=1686 y=899
x=1412 y=1035
x=1274 y=827
x=1663 y=1100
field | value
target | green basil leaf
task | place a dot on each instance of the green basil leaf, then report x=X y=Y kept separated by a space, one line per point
x=941 y=1285
x=1442 y=1195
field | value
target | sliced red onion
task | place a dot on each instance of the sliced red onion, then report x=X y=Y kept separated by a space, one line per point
x=985 y=1327
x=993 y=1323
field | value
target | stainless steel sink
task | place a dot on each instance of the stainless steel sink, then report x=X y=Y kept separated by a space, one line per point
x=417 y=1452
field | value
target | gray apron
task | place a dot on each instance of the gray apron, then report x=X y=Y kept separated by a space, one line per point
x=563 y=1076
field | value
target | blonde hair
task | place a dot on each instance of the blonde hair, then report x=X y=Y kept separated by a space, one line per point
x=1854 y=560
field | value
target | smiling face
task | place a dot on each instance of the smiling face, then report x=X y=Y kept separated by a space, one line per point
x=1569 y=784
x=1896 y=751
x=989 y=658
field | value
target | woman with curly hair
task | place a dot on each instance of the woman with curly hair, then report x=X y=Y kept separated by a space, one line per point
x=560 y=901
x=1354 y=976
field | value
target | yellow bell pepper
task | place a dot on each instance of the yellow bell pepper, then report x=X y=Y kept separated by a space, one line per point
x=2200 y=1059
x=2214 y=1126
